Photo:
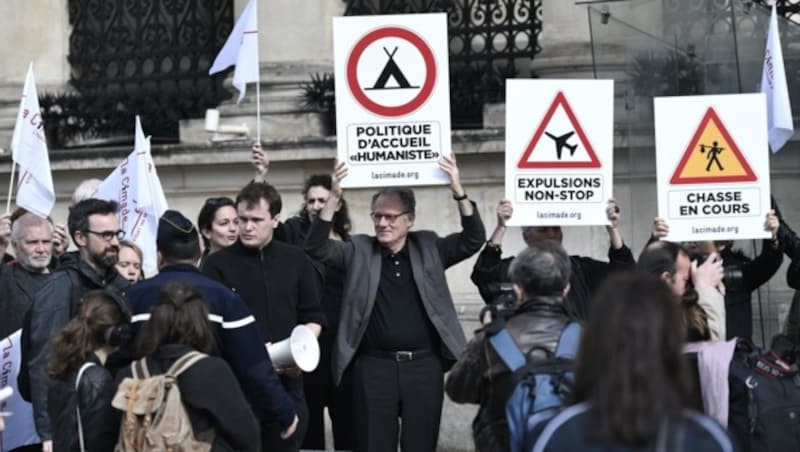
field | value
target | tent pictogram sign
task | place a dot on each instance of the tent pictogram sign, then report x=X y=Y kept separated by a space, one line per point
x=367 y=96
x=712 y=156
x=560 y=150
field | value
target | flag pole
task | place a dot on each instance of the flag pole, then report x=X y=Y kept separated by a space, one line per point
x=11 y=186
x=258 y=81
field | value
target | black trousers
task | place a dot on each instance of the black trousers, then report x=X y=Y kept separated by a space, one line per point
x=321 y=391
x=386 y=391
x=271 y=433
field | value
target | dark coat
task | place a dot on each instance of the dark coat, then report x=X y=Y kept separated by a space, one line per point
x=575 y=429
x=430 y=255
x=99 y=419
x=53 y=306
x=754 y=273
x=17 y=288
x=481 y=377
x=212 y=397
x=586 y=276
x=238 y=340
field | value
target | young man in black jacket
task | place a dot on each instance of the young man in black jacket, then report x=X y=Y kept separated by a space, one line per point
x=279 y=284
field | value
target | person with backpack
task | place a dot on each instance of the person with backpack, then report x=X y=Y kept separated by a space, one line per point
x=632 y=387
x=80 y=391
x=540 y=276
x=190 y=385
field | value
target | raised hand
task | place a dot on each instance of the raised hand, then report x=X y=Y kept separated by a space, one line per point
x=260 y=162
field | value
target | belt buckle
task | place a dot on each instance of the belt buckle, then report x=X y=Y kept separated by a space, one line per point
x=403 y=356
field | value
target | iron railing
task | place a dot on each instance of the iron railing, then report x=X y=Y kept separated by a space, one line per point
x=146 y=57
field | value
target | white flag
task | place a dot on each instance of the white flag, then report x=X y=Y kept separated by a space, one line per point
x=135 y=185
x=20 y=429
x=241 y=50
x=29 y=150
x=773 y=84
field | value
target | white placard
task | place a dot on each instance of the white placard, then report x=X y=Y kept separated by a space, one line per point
x=713 y=166
x=392 y=98
x=559 y=151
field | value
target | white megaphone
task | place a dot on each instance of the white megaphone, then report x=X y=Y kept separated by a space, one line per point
x=298 y=350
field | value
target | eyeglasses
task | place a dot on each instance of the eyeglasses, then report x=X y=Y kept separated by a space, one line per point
x=109 y=235
x=389 y=217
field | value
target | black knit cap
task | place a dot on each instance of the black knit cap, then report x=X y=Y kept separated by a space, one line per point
x=174 y=227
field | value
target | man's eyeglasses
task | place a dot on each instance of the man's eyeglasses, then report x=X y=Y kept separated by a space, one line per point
x=109 y=235
x=389 y=217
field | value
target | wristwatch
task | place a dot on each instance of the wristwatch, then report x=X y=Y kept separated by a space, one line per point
x=460 y=198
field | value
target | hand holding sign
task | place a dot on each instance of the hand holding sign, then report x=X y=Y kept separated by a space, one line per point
x=772 y=224
x=504 y=211
x=660 y=228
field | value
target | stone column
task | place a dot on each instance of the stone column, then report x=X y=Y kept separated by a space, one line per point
x=34 y=31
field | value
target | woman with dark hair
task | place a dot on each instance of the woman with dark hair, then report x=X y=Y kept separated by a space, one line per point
x=703 y=305
x=218 y=223
x=211 y=394
x=631 y=387
x=78 y=378
x=319 y=387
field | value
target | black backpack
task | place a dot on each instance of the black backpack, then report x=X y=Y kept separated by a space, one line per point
x=764 y=400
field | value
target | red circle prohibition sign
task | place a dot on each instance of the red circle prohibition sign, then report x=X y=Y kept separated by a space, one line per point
x=424 y=92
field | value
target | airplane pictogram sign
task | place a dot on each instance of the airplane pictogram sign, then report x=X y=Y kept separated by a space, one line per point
x=712 y=156
x=560 y=141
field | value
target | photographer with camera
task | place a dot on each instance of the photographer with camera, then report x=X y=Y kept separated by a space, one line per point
x=491 y=270
x=742 y=275
x=540 y=276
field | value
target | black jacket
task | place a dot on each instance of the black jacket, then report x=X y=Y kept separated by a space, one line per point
x=53 y=306
x=754 y=273
x=99 y=419
x=480 y=376
x=212 y=397
x=586 y=276
x=17 y=288
x=575 y=428
x=280 y=285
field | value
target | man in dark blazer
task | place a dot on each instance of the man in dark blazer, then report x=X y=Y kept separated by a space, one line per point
x=399 y=329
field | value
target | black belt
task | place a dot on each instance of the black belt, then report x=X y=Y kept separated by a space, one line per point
x=400 y=355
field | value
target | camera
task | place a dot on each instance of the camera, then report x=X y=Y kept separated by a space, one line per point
x=504 y=300
x=732 y=275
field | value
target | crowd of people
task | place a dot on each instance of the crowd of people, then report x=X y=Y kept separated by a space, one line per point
x=95 y=331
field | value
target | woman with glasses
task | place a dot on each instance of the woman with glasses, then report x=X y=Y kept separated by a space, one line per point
x=218 y=224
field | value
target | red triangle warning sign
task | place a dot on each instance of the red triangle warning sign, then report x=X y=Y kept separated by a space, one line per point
x=553 y=145
x=712 y=156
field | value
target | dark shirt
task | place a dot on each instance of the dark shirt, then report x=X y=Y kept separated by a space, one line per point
x=398 y=320
x=278 y=283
